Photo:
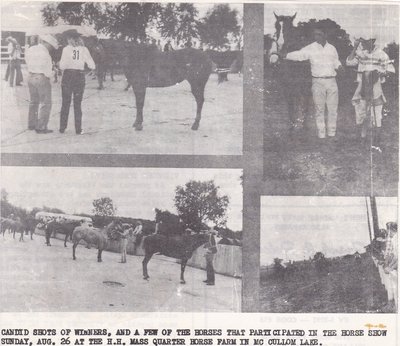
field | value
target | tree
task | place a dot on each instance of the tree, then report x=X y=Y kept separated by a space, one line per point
x=199 y=203
x=50 y=14
x=128 y=21
x=104 y=206
x=178 y=21
x=219 y=23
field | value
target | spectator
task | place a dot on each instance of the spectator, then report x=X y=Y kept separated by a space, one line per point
x=14 y=65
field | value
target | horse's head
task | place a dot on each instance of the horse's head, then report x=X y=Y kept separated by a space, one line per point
x=283 y=23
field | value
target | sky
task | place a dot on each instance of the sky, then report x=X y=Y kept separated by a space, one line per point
x=377 y=21
x=295 y=228
x=135 y=191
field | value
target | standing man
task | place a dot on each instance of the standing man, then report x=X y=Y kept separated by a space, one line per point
x=211 y=247
x=368 y=100
x=14 y=66
x=324 y=62
x=124 y=234
x=38 y=61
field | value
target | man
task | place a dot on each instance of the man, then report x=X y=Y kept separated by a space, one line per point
x=211 y=247
x=368 y=100
x=325 y=63
x=39 y=63
x=14 y=66
x=124 y=234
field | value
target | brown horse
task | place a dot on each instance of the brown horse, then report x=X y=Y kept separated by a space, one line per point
x=180 y=247
x=146 y=67
x=14 y=225
x=91 y=235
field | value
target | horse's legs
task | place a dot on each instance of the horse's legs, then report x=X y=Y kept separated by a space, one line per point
x=99 y=255
x=48 y=234
x=183 y=266
x=66 y=238
x=73 y=249
x=100 y=75
x=140 y=94
x=21 y=238
x=146 y=260
x=197 y=88
x=14 y=233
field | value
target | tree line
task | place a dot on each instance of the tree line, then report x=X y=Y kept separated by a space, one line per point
x=179 y=22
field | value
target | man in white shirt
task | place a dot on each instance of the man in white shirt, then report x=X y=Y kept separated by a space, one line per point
x=39 y=63
x=324 y=62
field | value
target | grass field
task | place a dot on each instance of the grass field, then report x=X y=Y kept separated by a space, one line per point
x=349 y=287
x=302 y=166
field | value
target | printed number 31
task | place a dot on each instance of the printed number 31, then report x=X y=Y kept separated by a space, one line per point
x=75 y=55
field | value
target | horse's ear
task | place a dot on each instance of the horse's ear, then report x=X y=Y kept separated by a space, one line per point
x=277 y=17
x=294 y=16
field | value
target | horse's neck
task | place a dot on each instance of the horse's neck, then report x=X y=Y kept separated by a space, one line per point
x=198 y=241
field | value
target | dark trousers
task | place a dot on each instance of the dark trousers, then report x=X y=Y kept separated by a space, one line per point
x=72 y=84
x=210 y=268
x=14 y=72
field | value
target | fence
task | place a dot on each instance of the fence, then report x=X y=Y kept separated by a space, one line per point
x=389 y=280
x=5 y=57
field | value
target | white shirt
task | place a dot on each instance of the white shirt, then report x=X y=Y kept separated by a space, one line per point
x=74 y=58
x=38 y=60
x=13 y=51
x=324 y=60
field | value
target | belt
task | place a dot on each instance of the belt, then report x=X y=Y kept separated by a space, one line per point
x=325 y=77
x=72 y=70
x=34 y=73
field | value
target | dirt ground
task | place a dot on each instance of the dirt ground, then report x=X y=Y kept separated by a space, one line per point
x=108 y=116
x=349 y=288
x=35 y=277
x=302 y=165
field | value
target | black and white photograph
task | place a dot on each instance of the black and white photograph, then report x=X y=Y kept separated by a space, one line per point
x=120 y=239
x=143 y=78
x=331 y=76
x=328 y=254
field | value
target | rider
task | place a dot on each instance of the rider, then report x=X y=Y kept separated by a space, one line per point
x=368 y=58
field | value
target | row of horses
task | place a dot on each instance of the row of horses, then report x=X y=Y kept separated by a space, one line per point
x=145 y=66
x=179 y=246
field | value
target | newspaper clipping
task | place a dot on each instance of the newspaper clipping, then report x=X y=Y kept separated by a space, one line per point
x=203 y=173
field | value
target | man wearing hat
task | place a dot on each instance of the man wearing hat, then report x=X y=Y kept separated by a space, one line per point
x=39 y=63
x=211 y=247
x=372 y=64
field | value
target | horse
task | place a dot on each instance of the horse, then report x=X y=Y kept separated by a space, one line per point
x=171 y=242
x=92 y=235
x=15 y=225
x=146 y=67
x=295 y=76
x=64 y=227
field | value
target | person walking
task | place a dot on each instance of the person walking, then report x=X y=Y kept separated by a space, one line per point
x=325 y=63
x=211 y=247
x=372 y=65
x=38 y=61
x=73 y=59
x=14 y=65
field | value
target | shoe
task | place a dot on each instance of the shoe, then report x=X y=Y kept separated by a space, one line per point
x=44 y=131
x=210 y=283
x=62 y=131
x=19 y=84
x=206 y=281
x=80 y=132
x=31 y=128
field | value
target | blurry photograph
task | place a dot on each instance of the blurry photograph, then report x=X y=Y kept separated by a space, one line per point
x=328 y=254
x=125 y=78
x=120 y=239
x=331 y=99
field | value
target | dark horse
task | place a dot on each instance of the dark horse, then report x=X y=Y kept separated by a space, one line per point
x=146 y=67
x=295 y=76
x=171 y=243
x=64 y=227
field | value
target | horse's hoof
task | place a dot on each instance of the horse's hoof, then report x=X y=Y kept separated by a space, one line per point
x=138 y=127
x=74 y=258
x=195 y=127
x=146 y=278
x=183 y=282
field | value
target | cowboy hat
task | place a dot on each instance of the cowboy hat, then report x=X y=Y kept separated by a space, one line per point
x=50 y=40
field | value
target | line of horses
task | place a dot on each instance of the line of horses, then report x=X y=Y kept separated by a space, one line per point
x=179 y=244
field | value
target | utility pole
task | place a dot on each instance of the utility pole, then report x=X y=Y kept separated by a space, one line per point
x=369 y=221
x=374 y=212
